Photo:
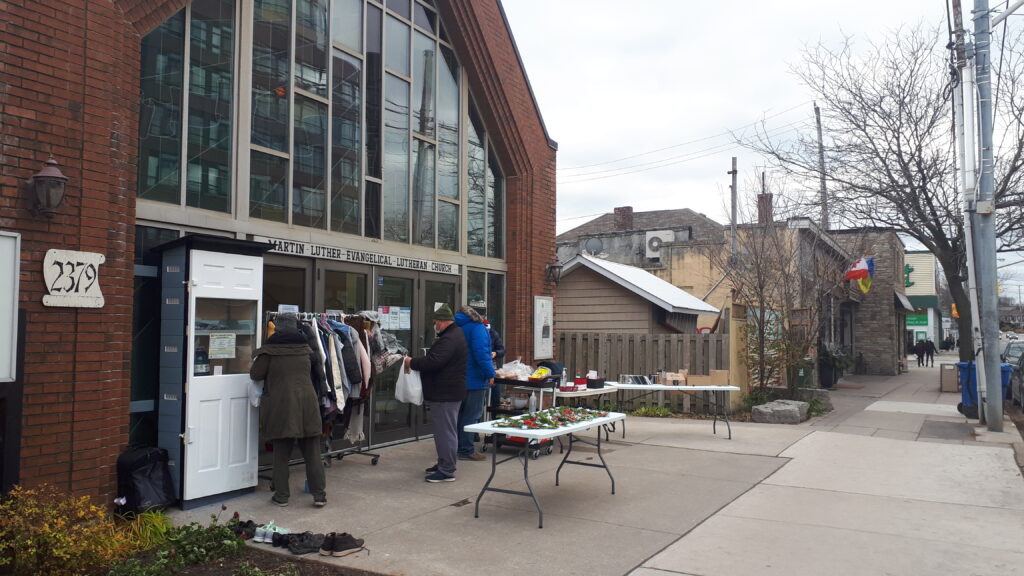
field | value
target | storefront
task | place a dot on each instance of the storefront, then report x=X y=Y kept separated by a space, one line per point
x=371 y=145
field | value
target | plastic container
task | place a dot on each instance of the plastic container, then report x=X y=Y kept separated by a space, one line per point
x=969 y=381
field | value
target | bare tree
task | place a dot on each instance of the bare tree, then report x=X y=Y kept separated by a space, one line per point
x=890 y=155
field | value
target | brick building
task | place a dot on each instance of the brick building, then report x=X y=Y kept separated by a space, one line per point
x=881 y=315
x=380 y=153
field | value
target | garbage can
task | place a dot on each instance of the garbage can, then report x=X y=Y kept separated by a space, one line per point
x=948 y=378
x=969 y=381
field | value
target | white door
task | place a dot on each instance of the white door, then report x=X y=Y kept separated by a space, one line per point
x=221 y=426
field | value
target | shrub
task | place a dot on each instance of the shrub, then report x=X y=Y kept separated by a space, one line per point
x=184 y=546
x=652 y=411
x=148 y=529
x=44 y=531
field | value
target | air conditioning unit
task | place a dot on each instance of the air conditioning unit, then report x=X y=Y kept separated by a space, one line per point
x=653 y=241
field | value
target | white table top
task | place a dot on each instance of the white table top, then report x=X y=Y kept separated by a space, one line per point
x=680 y=388
x=608 y=387
x=544 y=433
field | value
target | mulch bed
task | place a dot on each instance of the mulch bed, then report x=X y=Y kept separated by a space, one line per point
x=272 y=563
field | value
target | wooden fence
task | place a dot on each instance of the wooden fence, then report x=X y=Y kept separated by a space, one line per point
x=612 y=354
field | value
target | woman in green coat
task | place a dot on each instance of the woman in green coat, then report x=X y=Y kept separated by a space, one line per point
x=289 y=411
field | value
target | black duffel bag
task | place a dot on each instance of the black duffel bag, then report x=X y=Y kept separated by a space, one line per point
x=144 y=479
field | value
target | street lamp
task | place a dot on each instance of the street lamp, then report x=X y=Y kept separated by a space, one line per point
x=46 y=189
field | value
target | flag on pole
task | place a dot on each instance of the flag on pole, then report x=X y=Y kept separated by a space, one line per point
x=863 y=271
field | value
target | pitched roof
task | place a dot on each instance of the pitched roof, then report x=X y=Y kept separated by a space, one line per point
x=643 y=284
x=652 y=220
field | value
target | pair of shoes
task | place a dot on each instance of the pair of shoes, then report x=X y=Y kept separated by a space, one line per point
x=439 y=477
x=431 y=470
x=305 y=543
x=274 y=500
x=320 y=502
x=475 y=457
x=340 y=544
x=244 y=530
x=265 y=534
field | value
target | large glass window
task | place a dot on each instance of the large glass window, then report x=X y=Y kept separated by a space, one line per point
x=476 y=194
x=448 y=126
x=396 y=159
x=347 y=23
x=268 y=187
x=309 y=175
x=160 y=112
x=283 y=285
x=396 y=36
x=448 y=226
x=311 y=46
x=346 y=143
x=374 y=89
x=345 y=291
x=423 y=85
x=271 y=67
x=486 y=293
x=423 y=194
x=494 y=214
x=210 y=104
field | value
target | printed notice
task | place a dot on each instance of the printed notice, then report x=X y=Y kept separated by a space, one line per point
x=385 y=317
x=405 y=319
x=222 y=345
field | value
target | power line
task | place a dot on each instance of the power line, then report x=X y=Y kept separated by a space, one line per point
x=696 y=155
x=726 y=133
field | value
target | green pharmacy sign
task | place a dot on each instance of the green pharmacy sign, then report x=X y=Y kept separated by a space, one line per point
x=917 y=319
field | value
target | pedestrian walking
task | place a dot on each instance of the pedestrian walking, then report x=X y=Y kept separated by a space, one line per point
x=919 y=348
x=929 y=352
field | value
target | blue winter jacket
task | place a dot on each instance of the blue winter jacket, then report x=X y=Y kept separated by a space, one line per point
x=479 y=366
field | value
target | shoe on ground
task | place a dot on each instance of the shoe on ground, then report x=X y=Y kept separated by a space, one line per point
x=279 y=539
x=431 y=470
x=327 y=547
x=439 y=477
x=305 y=543
x=279 y=502
x=345 y=544
x=320 y=502
x=475 y=457
x=260 y=534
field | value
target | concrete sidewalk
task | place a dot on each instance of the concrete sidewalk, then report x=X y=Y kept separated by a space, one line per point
x=894 y=481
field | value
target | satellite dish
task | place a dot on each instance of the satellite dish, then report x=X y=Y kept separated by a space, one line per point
x=593 y=246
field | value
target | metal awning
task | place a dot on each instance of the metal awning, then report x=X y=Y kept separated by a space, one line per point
x=901 y=301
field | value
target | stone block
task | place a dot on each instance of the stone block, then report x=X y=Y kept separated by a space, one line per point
x=824 y=396
x=780 y=412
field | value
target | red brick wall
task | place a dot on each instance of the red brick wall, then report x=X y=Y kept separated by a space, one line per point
x=70 y=85
x=502 y=95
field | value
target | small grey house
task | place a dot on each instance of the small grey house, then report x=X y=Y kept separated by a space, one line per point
x=596 y=295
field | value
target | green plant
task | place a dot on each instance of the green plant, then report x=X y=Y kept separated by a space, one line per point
x=148 y=529
x=45 y=531
x=758 y=396
x=652 y=411
x=815 y=407
x=247 y=569
x=184 y=546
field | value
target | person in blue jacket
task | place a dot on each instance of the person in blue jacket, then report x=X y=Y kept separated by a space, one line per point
x=479 y=377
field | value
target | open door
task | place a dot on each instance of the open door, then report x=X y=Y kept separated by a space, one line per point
x=221 y=426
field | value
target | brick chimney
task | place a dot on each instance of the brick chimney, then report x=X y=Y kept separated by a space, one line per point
x=623 y=218
x=764 y=209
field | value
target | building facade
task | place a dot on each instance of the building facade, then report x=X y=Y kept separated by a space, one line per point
x=388 y=156
x=921 y=280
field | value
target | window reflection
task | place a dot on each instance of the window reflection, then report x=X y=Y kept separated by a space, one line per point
x=311 y=46
x=423 y=194
x=448 y=126
x=494 y=213
x=271 y=66
x=160 y=113
x=396 y=56
x=476 y=195
x=448 y=226
x=347 y=23
x=423 y=85
x=268 y=187
x=346 y=144
x=308 y=173
x=396 y=159
x=211 y=82
x=374 y=87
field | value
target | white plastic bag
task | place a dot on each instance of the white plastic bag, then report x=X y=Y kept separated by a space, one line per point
x=255 y=390
x=409 y=388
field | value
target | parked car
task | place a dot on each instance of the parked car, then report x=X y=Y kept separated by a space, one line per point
x=1011 y=335
x=1013 y=354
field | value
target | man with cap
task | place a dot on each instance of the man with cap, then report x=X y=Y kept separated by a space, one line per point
x=443 y=372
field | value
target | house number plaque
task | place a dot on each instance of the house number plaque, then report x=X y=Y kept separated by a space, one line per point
x=72 y=279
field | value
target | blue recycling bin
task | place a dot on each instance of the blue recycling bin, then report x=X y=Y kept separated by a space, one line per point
x=969 y=381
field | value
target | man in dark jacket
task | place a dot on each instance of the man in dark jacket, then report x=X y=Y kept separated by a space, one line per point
x=443 y=372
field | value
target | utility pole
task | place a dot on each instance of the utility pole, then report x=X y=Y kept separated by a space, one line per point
x=985 y=215
x=732 y=191
x=821 y=169
x=964 y=108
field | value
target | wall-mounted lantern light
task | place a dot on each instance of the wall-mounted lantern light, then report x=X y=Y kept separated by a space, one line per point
x=553 y=272
x=46 y=189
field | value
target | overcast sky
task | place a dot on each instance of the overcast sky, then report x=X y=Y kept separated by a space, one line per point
x=618 y=81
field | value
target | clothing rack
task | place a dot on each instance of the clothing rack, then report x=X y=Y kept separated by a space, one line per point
x=327 y=454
